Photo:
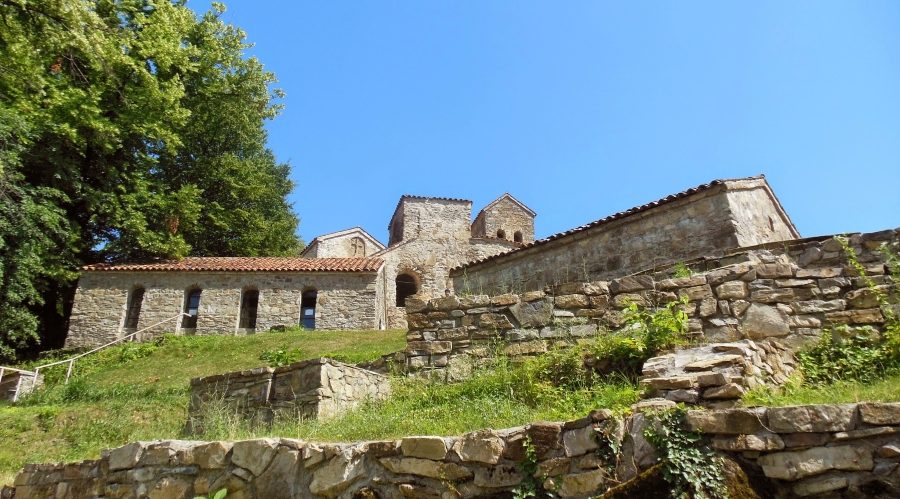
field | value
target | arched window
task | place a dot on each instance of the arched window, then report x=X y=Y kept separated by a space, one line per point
x=191 y=307
x=308 y=309
x=501 y=234
x=517 y=237
x=249 y=304
x=133 y=311
x=406 y=287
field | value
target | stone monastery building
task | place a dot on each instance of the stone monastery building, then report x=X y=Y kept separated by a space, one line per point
x=350 y=280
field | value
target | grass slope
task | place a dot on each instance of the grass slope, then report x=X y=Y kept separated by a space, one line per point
x=139 y=391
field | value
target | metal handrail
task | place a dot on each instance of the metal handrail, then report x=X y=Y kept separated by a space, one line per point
x=71 y=361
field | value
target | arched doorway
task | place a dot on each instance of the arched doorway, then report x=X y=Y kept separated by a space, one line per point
x=308 y=309
x=407 y=286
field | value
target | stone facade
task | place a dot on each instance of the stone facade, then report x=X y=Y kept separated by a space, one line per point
x=345 y=300
x=350 y=243
x=703 y=221
x=314 y=388
x=806 y=451
x=787 y=291
x=505 y=218
x=428 y=236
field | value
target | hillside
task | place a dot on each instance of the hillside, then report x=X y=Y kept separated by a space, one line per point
x=139 y=391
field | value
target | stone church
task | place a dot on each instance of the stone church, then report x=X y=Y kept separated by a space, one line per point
x=350 y=280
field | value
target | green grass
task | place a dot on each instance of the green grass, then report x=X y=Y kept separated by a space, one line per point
x=173 y=360
x=840 y=392
x=139 y=391
x=502 y=396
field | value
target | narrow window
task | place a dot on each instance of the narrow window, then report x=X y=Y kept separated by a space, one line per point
x=501 y=234
x=192 y=308
x=517 y=237
x=406 y=287
x=249 y=304
x=133 y=313
x=358 y=247
x=308 y=309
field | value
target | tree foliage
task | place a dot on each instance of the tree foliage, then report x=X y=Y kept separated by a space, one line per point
x=129 y=129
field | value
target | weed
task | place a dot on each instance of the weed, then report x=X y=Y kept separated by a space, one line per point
x=283 y=356
x=681 y=270
x=688 y=466
x=845 y=353
x=646 y=333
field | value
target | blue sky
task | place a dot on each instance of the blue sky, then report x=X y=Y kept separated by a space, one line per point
x=582 y=109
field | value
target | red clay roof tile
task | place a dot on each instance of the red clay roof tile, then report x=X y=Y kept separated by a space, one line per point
x=247 y=264
x=615 y=216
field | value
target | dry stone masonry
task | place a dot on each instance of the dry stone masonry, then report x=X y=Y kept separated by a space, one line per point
x=717 y=375
x=805 y=451
x=314 y=388
x=789 y=293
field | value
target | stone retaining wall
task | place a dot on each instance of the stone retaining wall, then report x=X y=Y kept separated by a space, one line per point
x=800 y=451
x=14 y=384
x=790 y=295
x=314 y=388
x=717 y=375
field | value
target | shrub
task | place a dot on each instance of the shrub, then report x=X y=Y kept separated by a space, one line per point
x=845 y=353
x=681 y=270
x=283 y=356
x=690 y=468
x=646 y=333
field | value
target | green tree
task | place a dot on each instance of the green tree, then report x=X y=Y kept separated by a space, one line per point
x=131 y=129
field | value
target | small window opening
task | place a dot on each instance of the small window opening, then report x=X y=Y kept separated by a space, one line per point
x=308 y=309
x=133 y=313
x=249 y=304
x=517 y=237
x=501 y=234
x=406 y=287
x=192 y=308
x=358 y=247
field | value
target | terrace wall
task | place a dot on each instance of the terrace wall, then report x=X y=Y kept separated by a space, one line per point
x=314 y=388
x=807 y=451
x=789 y=293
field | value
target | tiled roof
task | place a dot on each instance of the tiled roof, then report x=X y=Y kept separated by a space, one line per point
x=411 y=196
x=247 y=264
x=615 y=216
x=359 y=229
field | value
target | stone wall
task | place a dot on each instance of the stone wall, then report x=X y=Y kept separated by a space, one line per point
x=791 y=294
x=717 y=375
x=314 y=388
x=345 y=301
x=506 y=215
x=352 y=243
x=806 y=451
x=697 y=223
x=15 y=384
